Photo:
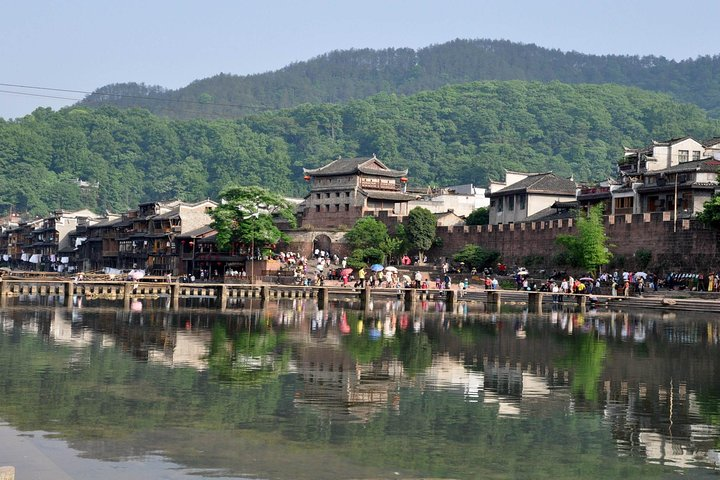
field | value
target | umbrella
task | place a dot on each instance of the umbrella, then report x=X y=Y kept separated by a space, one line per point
x=320 y=267
x=640 y=274
x=406 y=278
x=391 y=269
x=523 y=272
x=346 y=271
x=587 y=279
x=377 y=267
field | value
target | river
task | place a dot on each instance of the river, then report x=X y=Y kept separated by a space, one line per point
x=288 y=392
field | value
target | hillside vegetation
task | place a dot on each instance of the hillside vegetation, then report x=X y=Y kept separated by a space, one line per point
x=340 y=76
x=457 y=134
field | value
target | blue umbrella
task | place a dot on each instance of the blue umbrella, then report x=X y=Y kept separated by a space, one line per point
x=376 y=268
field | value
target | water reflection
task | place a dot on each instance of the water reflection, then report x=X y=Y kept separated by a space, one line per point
x=617 y=392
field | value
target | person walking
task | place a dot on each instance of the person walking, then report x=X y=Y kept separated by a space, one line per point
x=361 y=277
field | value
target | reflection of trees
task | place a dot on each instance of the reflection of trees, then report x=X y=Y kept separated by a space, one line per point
x=415 y=352
x=586 y=358
x=249 y=358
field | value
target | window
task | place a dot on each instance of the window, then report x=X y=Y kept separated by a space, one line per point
x=337 y=207
x=327 y=208
x=317 y=195
x=492 y=203
x=317 y=208
x=511 y=202
x=347 y=194
x=337 y=194
x=347 y=207
x=624 y=203
x=327 y=195
x=522 y=199
x=500 y=204
x=696 y=155
x=683 y=155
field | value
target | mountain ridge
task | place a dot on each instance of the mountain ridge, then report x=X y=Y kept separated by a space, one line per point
x=340 y=76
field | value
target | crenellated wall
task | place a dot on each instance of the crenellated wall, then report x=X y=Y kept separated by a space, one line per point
x=687 y=245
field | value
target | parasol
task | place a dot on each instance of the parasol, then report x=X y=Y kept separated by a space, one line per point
x=346 y=271
x=391 y=269
x=377 y=267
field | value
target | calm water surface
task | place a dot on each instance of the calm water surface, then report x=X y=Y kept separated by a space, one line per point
x=287 y=392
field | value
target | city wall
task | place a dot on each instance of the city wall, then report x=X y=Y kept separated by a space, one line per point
x=685 y=246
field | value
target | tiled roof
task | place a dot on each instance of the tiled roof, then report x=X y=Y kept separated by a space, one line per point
x=381 y=195
x=551 y=213
x=348 y=166
x=705 y=165
x=541 y=183
x=710 y=142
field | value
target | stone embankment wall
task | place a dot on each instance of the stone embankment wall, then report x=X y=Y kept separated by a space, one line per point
x=683 y=246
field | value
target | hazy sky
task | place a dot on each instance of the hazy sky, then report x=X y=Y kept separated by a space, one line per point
x=85 y=44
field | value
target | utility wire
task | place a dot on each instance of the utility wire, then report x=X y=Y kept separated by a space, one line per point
x=119 y=95
x=39 y=95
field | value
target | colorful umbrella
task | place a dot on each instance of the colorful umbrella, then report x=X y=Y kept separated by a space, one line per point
x=346 y=271
x=377 y=268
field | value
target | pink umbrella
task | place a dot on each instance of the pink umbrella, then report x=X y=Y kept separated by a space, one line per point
x=346 y=271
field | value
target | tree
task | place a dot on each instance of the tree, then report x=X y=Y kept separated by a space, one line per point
x=367 y=232
x=479 y=216
x=710 y=214
x=476 y=256
x=246 y=215
x=420 y=230
x=589 y=247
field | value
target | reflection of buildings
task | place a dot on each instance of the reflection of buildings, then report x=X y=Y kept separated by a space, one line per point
x=649 y=377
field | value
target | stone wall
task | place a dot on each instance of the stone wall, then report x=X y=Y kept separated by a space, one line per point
x=685 y=246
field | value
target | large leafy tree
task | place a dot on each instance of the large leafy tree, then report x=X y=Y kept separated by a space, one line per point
x=710 y=214
x=589 y=247
x=246 y=215
x=420 y=229
x=479 y=216
x=370 y=242
x=476 y=256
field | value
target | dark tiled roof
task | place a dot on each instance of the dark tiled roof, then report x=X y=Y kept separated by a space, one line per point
x=348 y=166
x=381 y=195
x=710 y=142
x=541 y=183
x=551 y=213
x=197 y=232
x=705 y=165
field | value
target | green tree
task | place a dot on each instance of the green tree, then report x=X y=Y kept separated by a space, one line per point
x=710 y=214
x=246 y=215
x=479 y=216
x=589 y=247
x=476 y=256
x=366 y=233
x=421 y=229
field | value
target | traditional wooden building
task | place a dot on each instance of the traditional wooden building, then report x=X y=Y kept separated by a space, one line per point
x=347 y=189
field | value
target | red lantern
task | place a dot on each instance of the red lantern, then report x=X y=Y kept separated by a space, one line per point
x=403 y=179
x=307 y=178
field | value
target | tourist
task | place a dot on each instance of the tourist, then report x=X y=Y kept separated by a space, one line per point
x=361 y=277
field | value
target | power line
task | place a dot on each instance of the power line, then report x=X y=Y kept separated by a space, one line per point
x=38 y=95
x=120 y=95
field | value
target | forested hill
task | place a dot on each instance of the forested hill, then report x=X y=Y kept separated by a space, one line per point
x=340 y=76
x=108 y=158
